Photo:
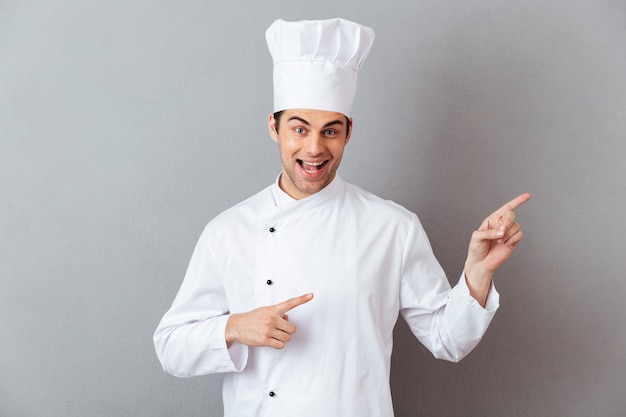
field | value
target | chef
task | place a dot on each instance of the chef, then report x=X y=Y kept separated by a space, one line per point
x=293 y=294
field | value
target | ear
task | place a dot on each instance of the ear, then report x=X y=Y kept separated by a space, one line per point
x=349 y=135
x=271 y=127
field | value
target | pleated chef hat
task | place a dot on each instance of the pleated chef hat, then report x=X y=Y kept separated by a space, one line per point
x=316 y=63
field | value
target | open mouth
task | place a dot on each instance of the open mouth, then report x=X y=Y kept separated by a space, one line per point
x=312 y=167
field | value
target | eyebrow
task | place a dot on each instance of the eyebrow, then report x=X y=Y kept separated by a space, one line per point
x=329 y=124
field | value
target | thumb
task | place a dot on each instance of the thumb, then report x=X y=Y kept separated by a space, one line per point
x=491 y=234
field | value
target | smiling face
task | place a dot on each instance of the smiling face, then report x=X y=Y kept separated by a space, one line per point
x=311 y=144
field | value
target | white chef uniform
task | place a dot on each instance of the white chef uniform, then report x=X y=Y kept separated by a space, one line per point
x=364 y=258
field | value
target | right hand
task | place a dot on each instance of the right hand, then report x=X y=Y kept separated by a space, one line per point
x=264 y=326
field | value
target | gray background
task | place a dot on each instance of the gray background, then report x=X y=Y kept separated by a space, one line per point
x=125 y=126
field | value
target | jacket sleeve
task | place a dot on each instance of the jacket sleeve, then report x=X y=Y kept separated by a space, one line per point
x=448 y=322
x=190 y=339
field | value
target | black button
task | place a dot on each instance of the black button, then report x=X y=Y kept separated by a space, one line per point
x=269 y=282
x=272 y=393
x=272 y=230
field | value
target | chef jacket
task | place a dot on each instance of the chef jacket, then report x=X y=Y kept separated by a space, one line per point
x=365 y=260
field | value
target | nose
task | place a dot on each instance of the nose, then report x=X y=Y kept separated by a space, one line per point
x=314 y=144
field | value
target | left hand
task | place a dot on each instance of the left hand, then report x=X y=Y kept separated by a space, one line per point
x=492 y=244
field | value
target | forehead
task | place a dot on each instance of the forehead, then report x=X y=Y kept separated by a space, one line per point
x=313 y=117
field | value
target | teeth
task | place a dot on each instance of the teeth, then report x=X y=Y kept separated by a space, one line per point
x=313 y=164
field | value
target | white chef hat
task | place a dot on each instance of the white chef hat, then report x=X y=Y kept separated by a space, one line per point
x=316 y=63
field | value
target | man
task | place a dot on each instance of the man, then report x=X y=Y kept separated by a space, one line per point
x=294 y=293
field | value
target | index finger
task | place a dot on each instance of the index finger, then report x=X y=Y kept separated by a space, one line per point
x=516 y=202
x=285 y=306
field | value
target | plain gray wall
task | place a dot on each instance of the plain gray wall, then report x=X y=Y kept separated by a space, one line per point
x=125 y=126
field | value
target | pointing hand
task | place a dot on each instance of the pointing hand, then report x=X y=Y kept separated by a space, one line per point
x=264 y=326
x=491 y=245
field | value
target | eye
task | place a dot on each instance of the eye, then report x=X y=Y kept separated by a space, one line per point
x=299 y=130
x=330 y=132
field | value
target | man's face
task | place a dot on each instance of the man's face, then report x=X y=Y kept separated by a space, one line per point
x=311 y=144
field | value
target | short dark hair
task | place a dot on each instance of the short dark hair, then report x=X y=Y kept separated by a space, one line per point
x=278 y=114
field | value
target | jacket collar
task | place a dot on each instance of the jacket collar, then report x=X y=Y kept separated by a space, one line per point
x=282 y=199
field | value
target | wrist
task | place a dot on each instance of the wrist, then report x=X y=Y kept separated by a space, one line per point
x=229 y=332
x=478 y=282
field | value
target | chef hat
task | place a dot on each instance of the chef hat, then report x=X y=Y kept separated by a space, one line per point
x=316 y=63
